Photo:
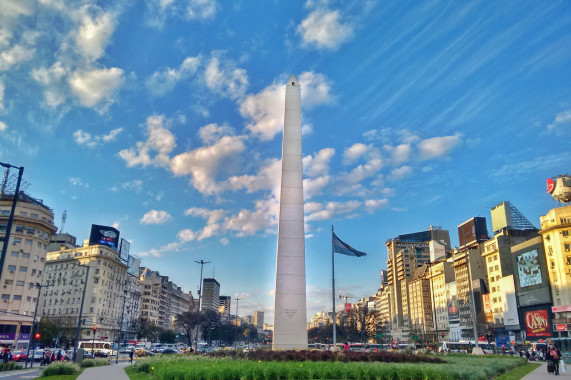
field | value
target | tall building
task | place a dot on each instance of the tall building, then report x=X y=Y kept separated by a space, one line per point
x=290 y=316
x=67 y=278
x=258 y=320
x=439 y=275
x=131 y=308
x=224 y=305
x=24 y=264
x=420 y=310
x=405 y=253
x=210 y=294
x=150 y=285
x=556 y=232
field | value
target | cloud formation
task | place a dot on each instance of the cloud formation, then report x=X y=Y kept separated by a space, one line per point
x=84 y=138
x=156 y=217
x=324 y=29
x=162 y=82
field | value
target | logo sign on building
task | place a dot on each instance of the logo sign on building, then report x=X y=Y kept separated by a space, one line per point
x=134 y=263
x=561 y=309
x=347 y=307
x=124 y=249
x=561 y=327
x=488 y=308
x=537 y=323
x=452 y=302
x=550 y=185
x=472 y=231
x=104 y=235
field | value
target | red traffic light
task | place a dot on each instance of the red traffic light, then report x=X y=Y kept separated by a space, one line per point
x=37 y=336
x=94 y=328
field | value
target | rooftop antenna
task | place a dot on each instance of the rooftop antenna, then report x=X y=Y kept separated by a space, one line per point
x=213 y=270
x=63 y=218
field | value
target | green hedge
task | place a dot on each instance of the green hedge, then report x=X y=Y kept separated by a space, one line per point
x=61 y=368
x=86 y=363
x=10 y=366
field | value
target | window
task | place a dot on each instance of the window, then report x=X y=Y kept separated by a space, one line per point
x=567 y=247
x=565 y=233
x=34 y=216
x=28 y=241
x=6 y=297
x=20 y=283
x=11 y=268
x=14 y=254
x=23 y=213
x=5 y=212
x=16 y=241
x=30 y=230
x=20 y=229
x=17 y=298
x=25 y=255
x=23 y=269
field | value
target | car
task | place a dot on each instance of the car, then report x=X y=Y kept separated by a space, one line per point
x=38 y=355
x=144 y=352
x=19 y=356
x=126 y=349
x=170 y=351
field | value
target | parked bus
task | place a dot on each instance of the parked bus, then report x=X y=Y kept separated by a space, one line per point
x=98 y=347
x=466 y=347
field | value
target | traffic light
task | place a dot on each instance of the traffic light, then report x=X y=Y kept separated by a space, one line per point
x=94 y=330
x=37 y=336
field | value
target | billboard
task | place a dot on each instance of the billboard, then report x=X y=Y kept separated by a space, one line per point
x=488 y=308
x=134 y=263
x=124 y=249
x=452 y=302
x=528 y=269
x=537 y=323
x=104 y=235
x=473 y=230
x=509 y=302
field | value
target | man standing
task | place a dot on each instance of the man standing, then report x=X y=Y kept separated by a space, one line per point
x=553 y=355
x=131 y=353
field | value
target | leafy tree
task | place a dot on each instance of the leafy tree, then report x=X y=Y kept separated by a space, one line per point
x=186 y=322
x=167 y=336
x=148 y=330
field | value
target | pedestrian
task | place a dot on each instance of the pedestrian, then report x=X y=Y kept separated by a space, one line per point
x=553 y=355
x=131 y=353
x=59 y=356
x=345 y=346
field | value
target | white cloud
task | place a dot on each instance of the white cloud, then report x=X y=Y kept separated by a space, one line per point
x=374 y=204
x=135 y=185
x=158 y=252
x=204 y=163
x=96 y=86
x=163 y=82
x=437 y=146
x=399 y=154
x=2 y=88
x=354 y=152
x=155 y=217
x=266 y=111
x=324 y=29
x=315 y=186
x=400 y=173
x=331 y=210
x=52 y=80
x=3 y=126
x=225 y=79
x=318 y=164
x=268 y=178
x=160 y=141
x=76 y=181
x=84 y=138
x=561 y=124
x=201 y=9
x=211 y=133
x=93 y=33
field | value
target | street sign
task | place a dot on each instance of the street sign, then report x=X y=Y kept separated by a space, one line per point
x=415 y=337
x=379 y=335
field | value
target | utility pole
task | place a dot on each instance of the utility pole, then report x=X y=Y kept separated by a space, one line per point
x=201 y=262
x=12 y=212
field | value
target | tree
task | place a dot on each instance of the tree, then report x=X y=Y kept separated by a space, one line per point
x=186 y=322
x=58 y=331
x=148 y=330
x=167 y=336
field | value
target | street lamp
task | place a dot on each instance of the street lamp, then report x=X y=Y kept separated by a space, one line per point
x=236 y=338
x=201 y=262
x=80 y=309
x=32 y=334
x=12 y=212
x=121 y=325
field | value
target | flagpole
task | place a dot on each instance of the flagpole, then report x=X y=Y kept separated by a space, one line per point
x=333 y=292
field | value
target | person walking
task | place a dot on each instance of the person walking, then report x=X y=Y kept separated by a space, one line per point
x=131 y=353
x=553 y=355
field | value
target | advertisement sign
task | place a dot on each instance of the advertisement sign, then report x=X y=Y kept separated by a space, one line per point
x=561 y=309
x=488 y=309
x=561 y=327
x=124 y=249
x=452 y=302
x=104 y=235
x=550 y=185
x=529 y=272
x=347 y=307
x=537 y=323
x=472 y=231
x=134 y=263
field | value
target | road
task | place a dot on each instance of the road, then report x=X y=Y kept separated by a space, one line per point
x=21 y=374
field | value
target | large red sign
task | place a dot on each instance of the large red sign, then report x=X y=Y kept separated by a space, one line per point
x=537 y=323
x=347 y=307
x=550 y=185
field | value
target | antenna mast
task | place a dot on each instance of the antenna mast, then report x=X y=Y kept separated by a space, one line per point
x=63 y=218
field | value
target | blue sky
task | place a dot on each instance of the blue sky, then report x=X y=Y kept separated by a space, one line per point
x=163 y=118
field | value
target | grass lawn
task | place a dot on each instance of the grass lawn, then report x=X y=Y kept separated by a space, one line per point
x=198 y=368
x=518 y=373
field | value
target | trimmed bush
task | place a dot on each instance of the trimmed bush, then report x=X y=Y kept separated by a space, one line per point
x=86 y=363
x=61 y=368
x=9 y=366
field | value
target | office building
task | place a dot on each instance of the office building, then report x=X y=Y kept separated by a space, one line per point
x=24 y=264
x=225 y=302
x=210 y=294
x=258 y=320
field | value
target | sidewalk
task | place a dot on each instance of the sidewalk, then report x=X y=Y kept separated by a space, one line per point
x=540 y=373
x=108 y=372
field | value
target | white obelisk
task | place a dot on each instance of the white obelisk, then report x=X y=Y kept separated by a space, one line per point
x=290 y=319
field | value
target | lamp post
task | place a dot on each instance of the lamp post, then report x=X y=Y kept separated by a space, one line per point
x=12 y=212
x=80 y=309
x=236 y=337
x=93 y=344
x=32 y=334
x=121 y=326
x=201 y=262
